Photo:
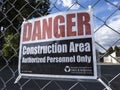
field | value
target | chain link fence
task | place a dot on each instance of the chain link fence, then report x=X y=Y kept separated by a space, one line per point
x=106 y=15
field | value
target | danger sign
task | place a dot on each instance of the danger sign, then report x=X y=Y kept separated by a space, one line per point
x=58 y=46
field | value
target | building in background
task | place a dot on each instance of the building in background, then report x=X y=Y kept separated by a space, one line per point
x=112 y=58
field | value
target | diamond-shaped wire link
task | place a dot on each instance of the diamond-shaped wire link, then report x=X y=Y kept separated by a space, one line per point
x=14 y=12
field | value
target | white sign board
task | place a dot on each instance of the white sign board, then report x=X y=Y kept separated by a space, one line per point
x=58 y=46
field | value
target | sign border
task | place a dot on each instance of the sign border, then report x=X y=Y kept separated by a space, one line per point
x=60 y=77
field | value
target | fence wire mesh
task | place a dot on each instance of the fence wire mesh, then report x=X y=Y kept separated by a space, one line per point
x=106 y=15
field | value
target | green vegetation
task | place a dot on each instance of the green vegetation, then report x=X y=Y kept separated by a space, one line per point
x=14 y=18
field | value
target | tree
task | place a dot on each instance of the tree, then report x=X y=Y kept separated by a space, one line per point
x=110 y=50
x=117 y=48
x=14 y=18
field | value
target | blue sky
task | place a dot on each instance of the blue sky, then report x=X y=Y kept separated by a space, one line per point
x=104 y=36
